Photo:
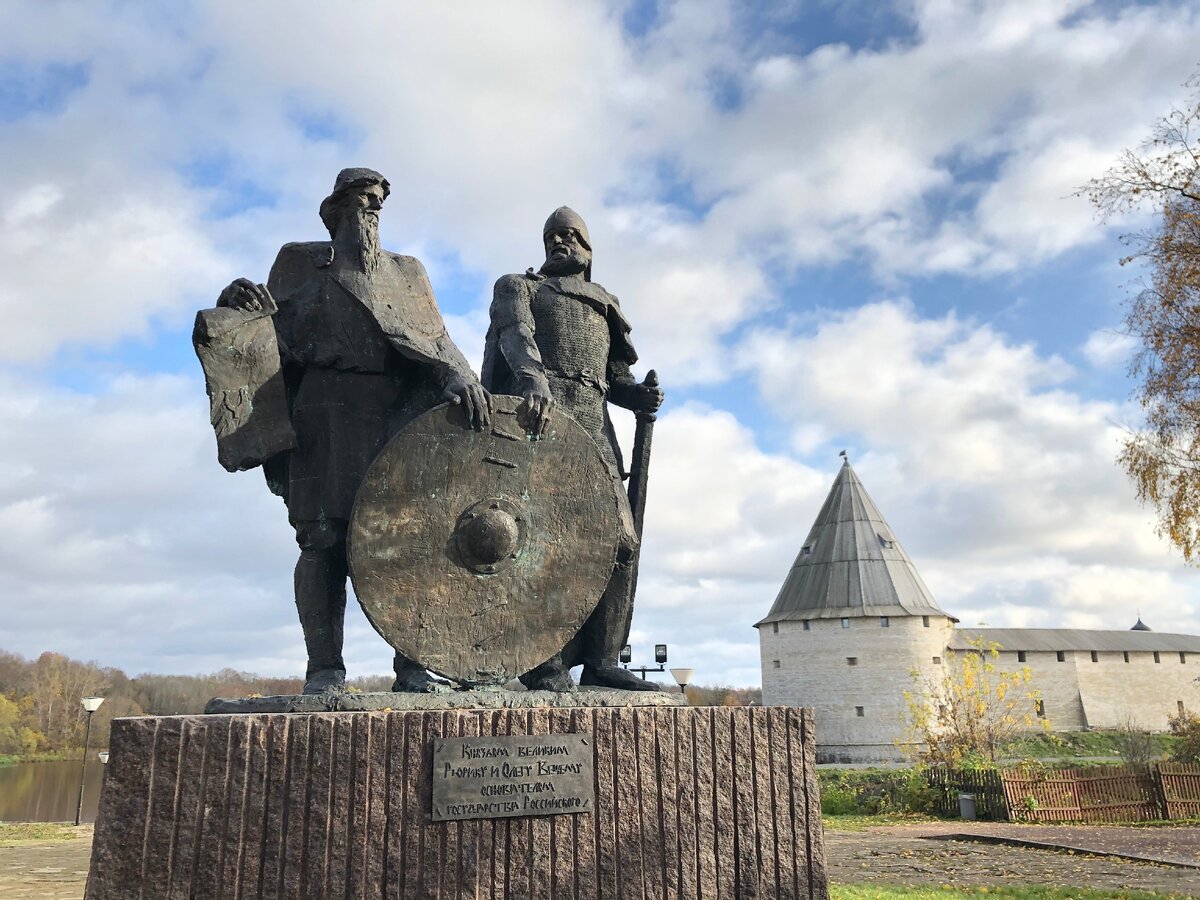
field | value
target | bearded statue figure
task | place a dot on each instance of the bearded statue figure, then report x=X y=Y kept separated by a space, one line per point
x=363 y=350
x=558 y=338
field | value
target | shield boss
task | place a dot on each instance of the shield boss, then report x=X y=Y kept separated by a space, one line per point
x=479 y=554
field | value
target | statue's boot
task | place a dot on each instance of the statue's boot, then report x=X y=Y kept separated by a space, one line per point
x=606 y=632
x=608 y=674
x=322 y=681
x=412 y=679
x=552 y=675
x=321 y=602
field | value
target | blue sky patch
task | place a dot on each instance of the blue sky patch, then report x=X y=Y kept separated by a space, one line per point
x=27 y=89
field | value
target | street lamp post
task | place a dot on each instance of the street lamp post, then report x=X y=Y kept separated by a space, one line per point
x=91 y=704
x=683 y=677
x=660 y=657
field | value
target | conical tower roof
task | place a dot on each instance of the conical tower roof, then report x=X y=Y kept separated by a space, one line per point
x=851 y=564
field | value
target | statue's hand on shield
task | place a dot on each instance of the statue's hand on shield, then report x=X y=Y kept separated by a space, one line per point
x=534 y=412
x=476 y=402
x=242 y=293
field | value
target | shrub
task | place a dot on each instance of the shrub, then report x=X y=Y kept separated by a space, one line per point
x=869 y=792
x=1186 y=729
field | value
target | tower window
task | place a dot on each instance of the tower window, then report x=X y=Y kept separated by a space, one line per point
x=1020 y=656
x=886 y=543
x=806 y=551
x=1040 y=707
x=925 y=621
x=859 y=711
x=1095 y=656
x=1182 y=657
x=852 y=660
x=884 y=622
x=774 y=628
x=1179 y=706
x=775 y=664
x=1061 y=656
x=845 y=623
x=1156 y=659
x=807 y=625
x=937 y=660
x=1126 y=655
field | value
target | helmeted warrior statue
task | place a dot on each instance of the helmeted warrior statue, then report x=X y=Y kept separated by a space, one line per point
x=558 y=338
x=344 y=344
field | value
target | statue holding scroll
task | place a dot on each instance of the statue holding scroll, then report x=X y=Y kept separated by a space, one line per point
x=311 y=374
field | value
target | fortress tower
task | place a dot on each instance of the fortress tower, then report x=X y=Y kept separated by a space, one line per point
x=851 y=622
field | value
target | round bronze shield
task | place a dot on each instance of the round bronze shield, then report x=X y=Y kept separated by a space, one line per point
x=479 y=554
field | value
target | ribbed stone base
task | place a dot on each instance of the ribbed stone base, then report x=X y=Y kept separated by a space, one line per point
x=689 y=802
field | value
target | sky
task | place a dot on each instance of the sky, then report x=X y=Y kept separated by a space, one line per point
x=833 y=225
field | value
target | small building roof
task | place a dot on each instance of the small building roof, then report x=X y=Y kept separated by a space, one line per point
x=1139 y=625
x=1050 y=639
x=851 y=564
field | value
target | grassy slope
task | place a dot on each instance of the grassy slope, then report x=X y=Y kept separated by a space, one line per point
x=21 y=832
x=1069 y=744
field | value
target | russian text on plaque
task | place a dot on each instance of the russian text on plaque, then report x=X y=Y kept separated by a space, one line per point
x=513 y=775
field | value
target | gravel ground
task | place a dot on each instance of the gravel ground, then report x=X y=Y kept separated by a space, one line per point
x=906 y=854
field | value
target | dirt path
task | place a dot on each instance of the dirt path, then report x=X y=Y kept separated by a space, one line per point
x=906 y=854
x=1176 y=844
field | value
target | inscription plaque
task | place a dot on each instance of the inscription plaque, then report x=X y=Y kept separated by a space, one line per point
x=512 y=775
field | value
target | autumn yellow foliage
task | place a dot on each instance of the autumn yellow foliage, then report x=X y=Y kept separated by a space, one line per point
x=972 y=709
x=1162 y=454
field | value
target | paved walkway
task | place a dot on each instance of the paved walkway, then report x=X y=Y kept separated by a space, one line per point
x=901 y=854
x=1179 y=845
x=928 y=854
x=46 y=869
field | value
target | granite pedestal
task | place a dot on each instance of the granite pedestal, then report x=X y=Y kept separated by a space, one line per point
x=689 y=802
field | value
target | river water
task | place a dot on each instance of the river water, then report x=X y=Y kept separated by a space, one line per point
x=48 y=791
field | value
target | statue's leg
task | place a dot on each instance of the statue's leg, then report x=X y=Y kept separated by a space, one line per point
x=321 y=601
x=607 y=631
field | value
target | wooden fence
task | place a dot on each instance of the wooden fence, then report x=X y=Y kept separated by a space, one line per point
x=1103 y=794
x=947 y=784
x=1179 y=785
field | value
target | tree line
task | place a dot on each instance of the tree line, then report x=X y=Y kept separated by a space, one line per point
x=40 y=712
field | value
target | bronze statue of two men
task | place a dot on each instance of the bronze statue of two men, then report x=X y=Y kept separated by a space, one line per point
x=362 y=351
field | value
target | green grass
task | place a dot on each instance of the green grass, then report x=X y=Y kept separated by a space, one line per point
x=18 y=832
x=881 y=892
x=1072 y=744
x=863 y=822
x=43 y=756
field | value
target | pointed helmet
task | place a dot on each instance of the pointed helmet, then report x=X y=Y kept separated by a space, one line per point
x=565 y=217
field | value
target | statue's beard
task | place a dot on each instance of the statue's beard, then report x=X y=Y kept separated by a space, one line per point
x=572 y=264
x=363 y=233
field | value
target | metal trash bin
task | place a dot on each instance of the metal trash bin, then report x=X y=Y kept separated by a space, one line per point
x=966 y=807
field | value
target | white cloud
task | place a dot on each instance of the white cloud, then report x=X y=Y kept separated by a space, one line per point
x=724 y=520
x=984 y=463
x=1105 y=348
x=830 y=154
x=953 y=151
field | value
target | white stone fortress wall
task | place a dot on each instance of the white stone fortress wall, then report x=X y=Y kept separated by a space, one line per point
x=860 y=706
x=1143 y=691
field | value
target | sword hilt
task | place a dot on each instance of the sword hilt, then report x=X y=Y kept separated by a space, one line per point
x=651 y=380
